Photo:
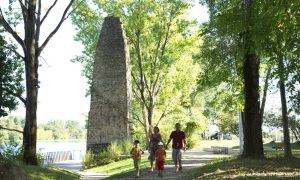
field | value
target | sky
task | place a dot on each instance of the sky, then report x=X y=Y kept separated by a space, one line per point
x=62 y=86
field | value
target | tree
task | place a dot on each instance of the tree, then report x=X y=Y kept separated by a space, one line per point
x=230 y=32
x=253 y=146
x=32 y=19
x=159 y=38
x=11 y=88
x=283 y=43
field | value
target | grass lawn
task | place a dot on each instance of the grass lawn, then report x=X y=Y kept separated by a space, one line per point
x=122 y=168
x=274 y=166
x=48 y=173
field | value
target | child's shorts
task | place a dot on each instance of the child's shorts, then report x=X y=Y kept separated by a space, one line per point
x=136 y=163
x=160 y=165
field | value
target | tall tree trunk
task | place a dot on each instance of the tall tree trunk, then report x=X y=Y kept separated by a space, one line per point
x=146 y=124
x=286 y=135
x=253 y=146
x=30 y=45
x=264 y=98
x=31 y=67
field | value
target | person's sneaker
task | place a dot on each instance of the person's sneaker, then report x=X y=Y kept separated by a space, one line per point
x=176 y=170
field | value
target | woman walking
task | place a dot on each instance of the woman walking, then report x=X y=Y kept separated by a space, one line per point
x=155 y=138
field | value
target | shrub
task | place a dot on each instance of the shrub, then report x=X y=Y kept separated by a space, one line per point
x=88 y=159
x=105 y=157
x=11 y=150
x=112 y=153
x=126 y=147
x=191 y=131
x=40 y=158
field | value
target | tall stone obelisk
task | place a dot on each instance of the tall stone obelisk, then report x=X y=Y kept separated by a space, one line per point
x=110 y=110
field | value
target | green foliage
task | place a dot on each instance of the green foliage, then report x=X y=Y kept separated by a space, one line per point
x=61 y=129
x=12 y=151
x=116 y=151
x=273 y=120
x=11 y=77
x=52 y=130
x=273 y=34
x=228 y=123
x=11 y=123
x=106 y=156
x=192 y=133
x=88 y=159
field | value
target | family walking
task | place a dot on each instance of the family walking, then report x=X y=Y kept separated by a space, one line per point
x=157 y=152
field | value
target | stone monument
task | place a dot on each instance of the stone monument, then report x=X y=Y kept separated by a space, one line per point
x=110 y=110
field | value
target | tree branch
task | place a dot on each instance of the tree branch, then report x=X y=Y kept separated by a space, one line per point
x=15 y=51
x=8 y=129
x=164 y=113
x=265 y=91
x=16 y=95
x=24 y=11
x=147 y=86
x=160 y=85
x=7 y=27
x=63 y=18
x=138 y=119
x=38 y=24
x=134 y=91
x=48 y=11
x=135 y=81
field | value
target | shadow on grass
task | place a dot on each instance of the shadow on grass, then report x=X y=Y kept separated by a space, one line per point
x=235 y=167
x=49 y=173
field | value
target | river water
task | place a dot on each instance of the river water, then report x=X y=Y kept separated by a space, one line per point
x=50 y=146
x=76 y=148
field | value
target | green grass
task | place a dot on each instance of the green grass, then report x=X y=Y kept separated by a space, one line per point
x=274 y=166
x=48 y=173
x=122 y=168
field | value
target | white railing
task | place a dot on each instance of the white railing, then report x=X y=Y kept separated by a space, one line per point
x=59 y=156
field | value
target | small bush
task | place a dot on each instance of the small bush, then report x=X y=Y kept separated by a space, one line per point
x=126 y=147
x=88 y=160
x=40 y=158
x=11 y=150
x=105 y=157
x=191 y=131
x=114 y=152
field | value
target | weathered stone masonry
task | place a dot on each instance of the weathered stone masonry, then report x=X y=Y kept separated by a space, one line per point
x=110 y=110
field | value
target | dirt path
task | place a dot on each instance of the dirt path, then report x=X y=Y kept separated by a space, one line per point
x=192 y=160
